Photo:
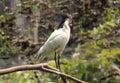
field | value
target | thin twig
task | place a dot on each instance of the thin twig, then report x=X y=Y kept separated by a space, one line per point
x=116 y=72
x=109 y=76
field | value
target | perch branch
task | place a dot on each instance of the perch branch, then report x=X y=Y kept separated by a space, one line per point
x=43 y=66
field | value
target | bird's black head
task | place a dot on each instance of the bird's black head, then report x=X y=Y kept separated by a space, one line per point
x=64 y=17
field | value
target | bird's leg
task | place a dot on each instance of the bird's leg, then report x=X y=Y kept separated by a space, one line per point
x=59 y=62
x=62 y=77
x=55 y=58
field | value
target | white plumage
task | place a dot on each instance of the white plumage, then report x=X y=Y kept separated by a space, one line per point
x=56 y=42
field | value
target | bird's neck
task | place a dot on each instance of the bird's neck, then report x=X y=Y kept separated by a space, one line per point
x=66 y=25
x=61 y=24
x=67 y=21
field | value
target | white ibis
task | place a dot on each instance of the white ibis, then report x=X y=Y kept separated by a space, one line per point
x=57 y=41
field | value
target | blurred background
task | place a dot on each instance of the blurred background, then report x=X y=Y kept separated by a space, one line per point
x=92 y=52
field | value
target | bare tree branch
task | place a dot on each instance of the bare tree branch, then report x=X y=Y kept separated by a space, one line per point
x=43 y=66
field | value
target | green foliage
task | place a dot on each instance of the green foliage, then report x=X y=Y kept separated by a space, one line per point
x=19 y=77
x=102 y=50
x=3 y=43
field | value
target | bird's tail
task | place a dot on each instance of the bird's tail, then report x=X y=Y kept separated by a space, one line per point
x=39 y=56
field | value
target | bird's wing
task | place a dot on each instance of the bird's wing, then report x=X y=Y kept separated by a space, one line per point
x=48 y=42
x=57 y=39
x=54 y=34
